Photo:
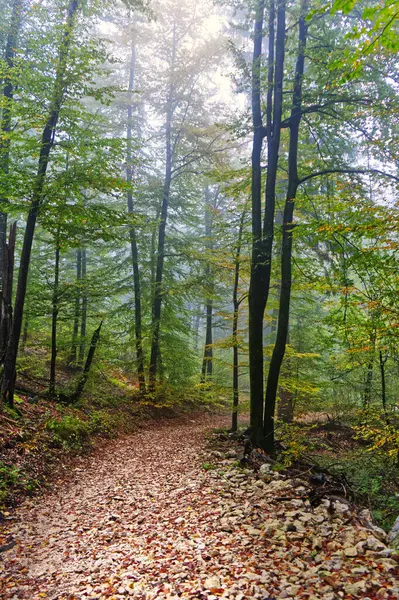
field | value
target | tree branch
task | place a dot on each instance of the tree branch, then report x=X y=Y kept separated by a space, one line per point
x=348 y=171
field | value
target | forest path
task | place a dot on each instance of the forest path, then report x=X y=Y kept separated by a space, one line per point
x=145 y=519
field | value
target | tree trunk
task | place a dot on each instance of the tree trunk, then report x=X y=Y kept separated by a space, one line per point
x=256 y=307
x=383 y=360
x=262 y=239
x=9 y=373
x=236 y=308
x=25 y=333
x=286 y=248
x=207 y=363
x=7 y=277
x=86 y=370
x=132 y=233
x=368 y=383
x=157 y=301
x=83 y=323
x=73 y=357
x=55 y=309
x=370 y=370
x=5 y=126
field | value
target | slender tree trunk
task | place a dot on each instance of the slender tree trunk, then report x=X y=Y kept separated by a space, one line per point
x=286 y=249
x=25 y=333
x=285 y=407
x=7 y=277
x=55 y=309
x=197 y=319
x=368 y=383
x=157 y=302
x=132 y=232
x=383 y=360
x=9 y=373
x=86 y=370
x=73 y=357
x=236 y=308
x=207 y=363
x=5 y=124
x=83 y=323
x=370 y=371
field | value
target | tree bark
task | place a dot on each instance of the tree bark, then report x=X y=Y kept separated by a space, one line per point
x=286 y=248
x=5 y=127
x=83 y=323
x=73 y=357
x=207 y=363
x=236 y=308
x=256 y=308
x=55 y=309
x=157 y=301
x=7 y=277
x=86 y=370
x=262 y=239
x=132 y=232
x=383 y=360
x=47 y=141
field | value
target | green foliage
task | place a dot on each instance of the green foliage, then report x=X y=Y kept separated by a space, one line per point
x=209 y=466
x=69 y=431
x=381 y=431
x=9 y=476
x=374 y=481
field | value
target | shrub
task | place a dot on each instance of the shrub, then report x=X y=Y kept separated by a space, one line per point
x=69 y=431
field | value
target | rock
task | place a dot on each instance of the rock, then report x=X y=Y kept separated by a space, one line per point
x=393 y=535
x=231 y=454
x=270 y=526
x=317 y=544
x=374 y=544
x=278 y=486
x=212 y=583
x=265 y=469
x=350 y=551
x=360 y=587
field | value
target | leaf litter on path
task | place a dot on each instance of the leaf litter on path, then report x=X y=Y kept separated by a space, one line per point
x=157 y=515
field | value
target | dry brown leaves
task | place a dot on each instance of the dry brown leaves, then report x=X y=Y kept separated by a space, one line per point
x=146 y=520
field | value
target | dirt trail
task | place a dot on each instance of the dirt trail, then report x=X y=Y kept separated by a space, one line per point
x=146 y=520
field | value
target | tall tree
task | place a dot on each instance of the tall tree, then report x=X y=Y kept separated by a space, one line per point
x=47 y=142
x=262 y=235
x=132 y=229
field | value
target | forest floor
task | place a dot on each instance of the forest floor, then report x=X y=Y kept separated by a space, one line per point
x=168 y=512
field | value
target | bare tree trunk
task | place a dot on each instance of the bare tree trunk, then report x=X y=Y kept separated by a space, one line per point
x=157 y=301
x=55 y=309
x=7 y=277
x=383 y=360
x=83 y=323
x=236 y=308
x=86 y=370
x=286 y=249
x=25 y=333
x=73 y=357
x=370 y=370
x=132 y=232
x=207 y=363
x=9 y=373
x=5 y=124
